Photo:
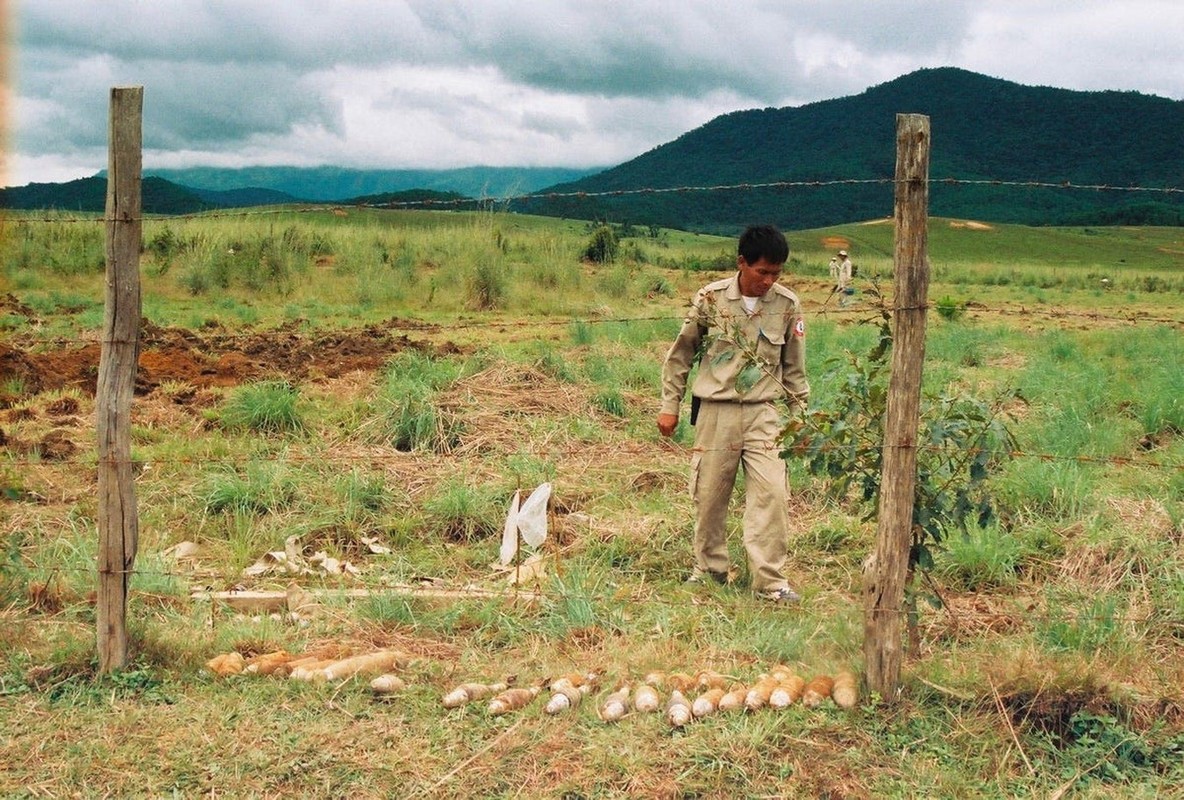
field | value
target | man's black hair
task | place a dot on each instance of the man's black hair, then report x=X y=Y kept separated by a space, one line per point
x=763 y=241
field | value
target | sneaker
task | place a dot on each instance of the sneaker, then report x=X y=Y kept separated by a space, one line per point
x=782 y=595
x=701 y=576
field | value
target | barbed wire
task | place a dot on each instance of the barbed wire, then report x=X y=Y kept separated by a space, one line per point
x=202 y=581
x=490 y=202
x=639 y=449
x=420 y=326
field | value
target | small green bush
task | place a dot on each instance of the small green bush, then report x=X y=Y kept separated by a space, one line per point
x=261 y=489
x=461 y=513
x=267 y=407
x=602 y=247
x=1094 y=626
x=980 y=558
x=486 y=289
x=407 y=415
x=950 y=309
x=611 y=401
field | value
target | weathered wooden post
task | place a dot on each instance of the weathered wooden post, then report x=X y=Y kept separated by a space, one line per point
x=118 y=521
x=886 y=570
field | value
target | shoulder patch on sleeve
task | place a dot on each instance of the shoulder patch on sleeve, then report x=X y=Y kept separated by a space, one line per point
x=799 y=328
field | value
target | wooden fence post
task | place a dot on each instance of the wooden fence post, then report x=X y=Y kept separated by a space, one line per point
x=118 y=520
x=886 y=570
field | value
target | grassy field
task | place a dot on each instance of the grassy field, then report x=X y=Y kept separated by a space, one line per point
x=337 y=408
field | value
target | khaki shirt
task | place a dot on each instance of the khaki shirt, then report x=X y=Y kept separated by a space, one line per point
x=719 y=327
x=845 y=273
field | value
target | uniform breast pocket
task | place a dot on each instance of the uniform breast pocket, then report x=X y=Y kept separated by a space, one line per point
x=769 y=345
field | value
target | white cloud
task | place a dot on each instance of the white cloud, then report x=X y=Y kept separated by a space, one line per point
x=440 y=83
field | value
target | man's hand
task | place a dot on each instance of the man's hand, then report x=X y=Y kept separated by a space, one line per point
x=667 y=423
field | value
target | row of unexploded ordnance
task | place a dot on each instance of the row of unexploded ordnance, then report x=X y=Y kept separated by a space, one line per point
x=330 y=663
x=566 y=691
x=712 y=691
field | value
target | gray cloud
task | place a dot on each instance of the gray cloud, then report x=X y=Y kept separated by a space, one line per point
x=433 y=83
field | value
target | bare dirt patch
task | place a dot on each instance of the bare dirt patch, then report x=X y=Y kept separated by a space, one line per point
x=215 y=357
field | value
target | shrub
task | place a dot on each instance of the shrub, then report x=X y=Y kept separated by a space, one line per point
x=486 y=286
x=463 y=513
x=981 y=558
x=602 y=247
x=963 y=441
x=950 y=309
x=267 y=407
x=259 y=490
x=407 y=415
x=611 y=401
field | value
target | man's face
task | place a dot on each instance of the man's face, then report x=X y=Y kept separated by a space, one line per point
x=758 y=278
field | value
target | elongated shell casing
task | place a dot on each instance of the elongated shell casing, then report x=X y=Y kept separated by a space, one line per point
x=710 y=679
x=574 y=680
x=387 y=684
x=615 y=706
x=817 y=690
x=267 y=663
x=787 y=691
x=779 y=698
x=564 y=698
x=733 y=699
x=758 y=696
x=707 y=703
x=678 y=710
x=231 y=663
x=465 y=693
x=512 y=700
x=780 y=672
x=846 y=690
x=680 y=681
x=646 y=699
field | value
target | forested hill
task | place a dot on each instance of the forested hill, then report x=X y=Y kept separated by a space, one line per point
x=158 y=196
x=983 y=129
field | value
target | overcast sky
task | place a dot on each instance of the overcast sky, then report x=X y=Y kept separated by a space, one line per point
x=438 y=84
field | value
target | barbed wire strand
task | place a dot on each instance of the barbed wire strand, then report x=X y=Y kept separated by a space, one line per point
x=423 y=327
x=205 y=581
x=330 y=207
x=654 y=449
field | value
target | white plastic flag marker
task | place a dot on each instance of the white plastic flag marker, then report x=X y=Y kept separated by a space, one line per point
x=510 y=532
x=532 y=516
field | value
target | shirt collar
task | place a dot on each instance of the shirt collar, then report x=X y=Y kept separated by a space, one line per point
x=733 y=291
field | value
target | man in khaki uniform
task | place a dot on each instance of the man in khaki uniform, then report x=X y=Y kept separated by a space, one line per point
x=844 y=272
x=748 y=336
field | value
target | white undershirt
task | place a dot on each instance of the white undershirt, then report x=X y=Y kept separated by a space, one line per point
x=749 y=304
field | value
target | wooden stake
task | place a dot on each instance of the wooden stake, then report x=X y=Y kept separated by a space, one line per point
x=886 y=569
x=118 y=518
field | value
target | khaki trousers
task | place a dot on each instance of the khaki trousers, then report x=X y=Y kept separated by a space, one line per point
x=728 y=436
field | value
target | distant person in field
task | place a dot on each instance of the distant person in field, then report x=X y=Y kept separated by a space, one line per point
x=748 y=336
x=842 y=273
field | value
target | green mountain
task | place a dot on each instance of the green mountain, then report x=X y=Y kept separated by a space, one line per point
x=983 y=129
x=158 y=196
x=335 y=184
x=162 y=197
x=187 y=191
